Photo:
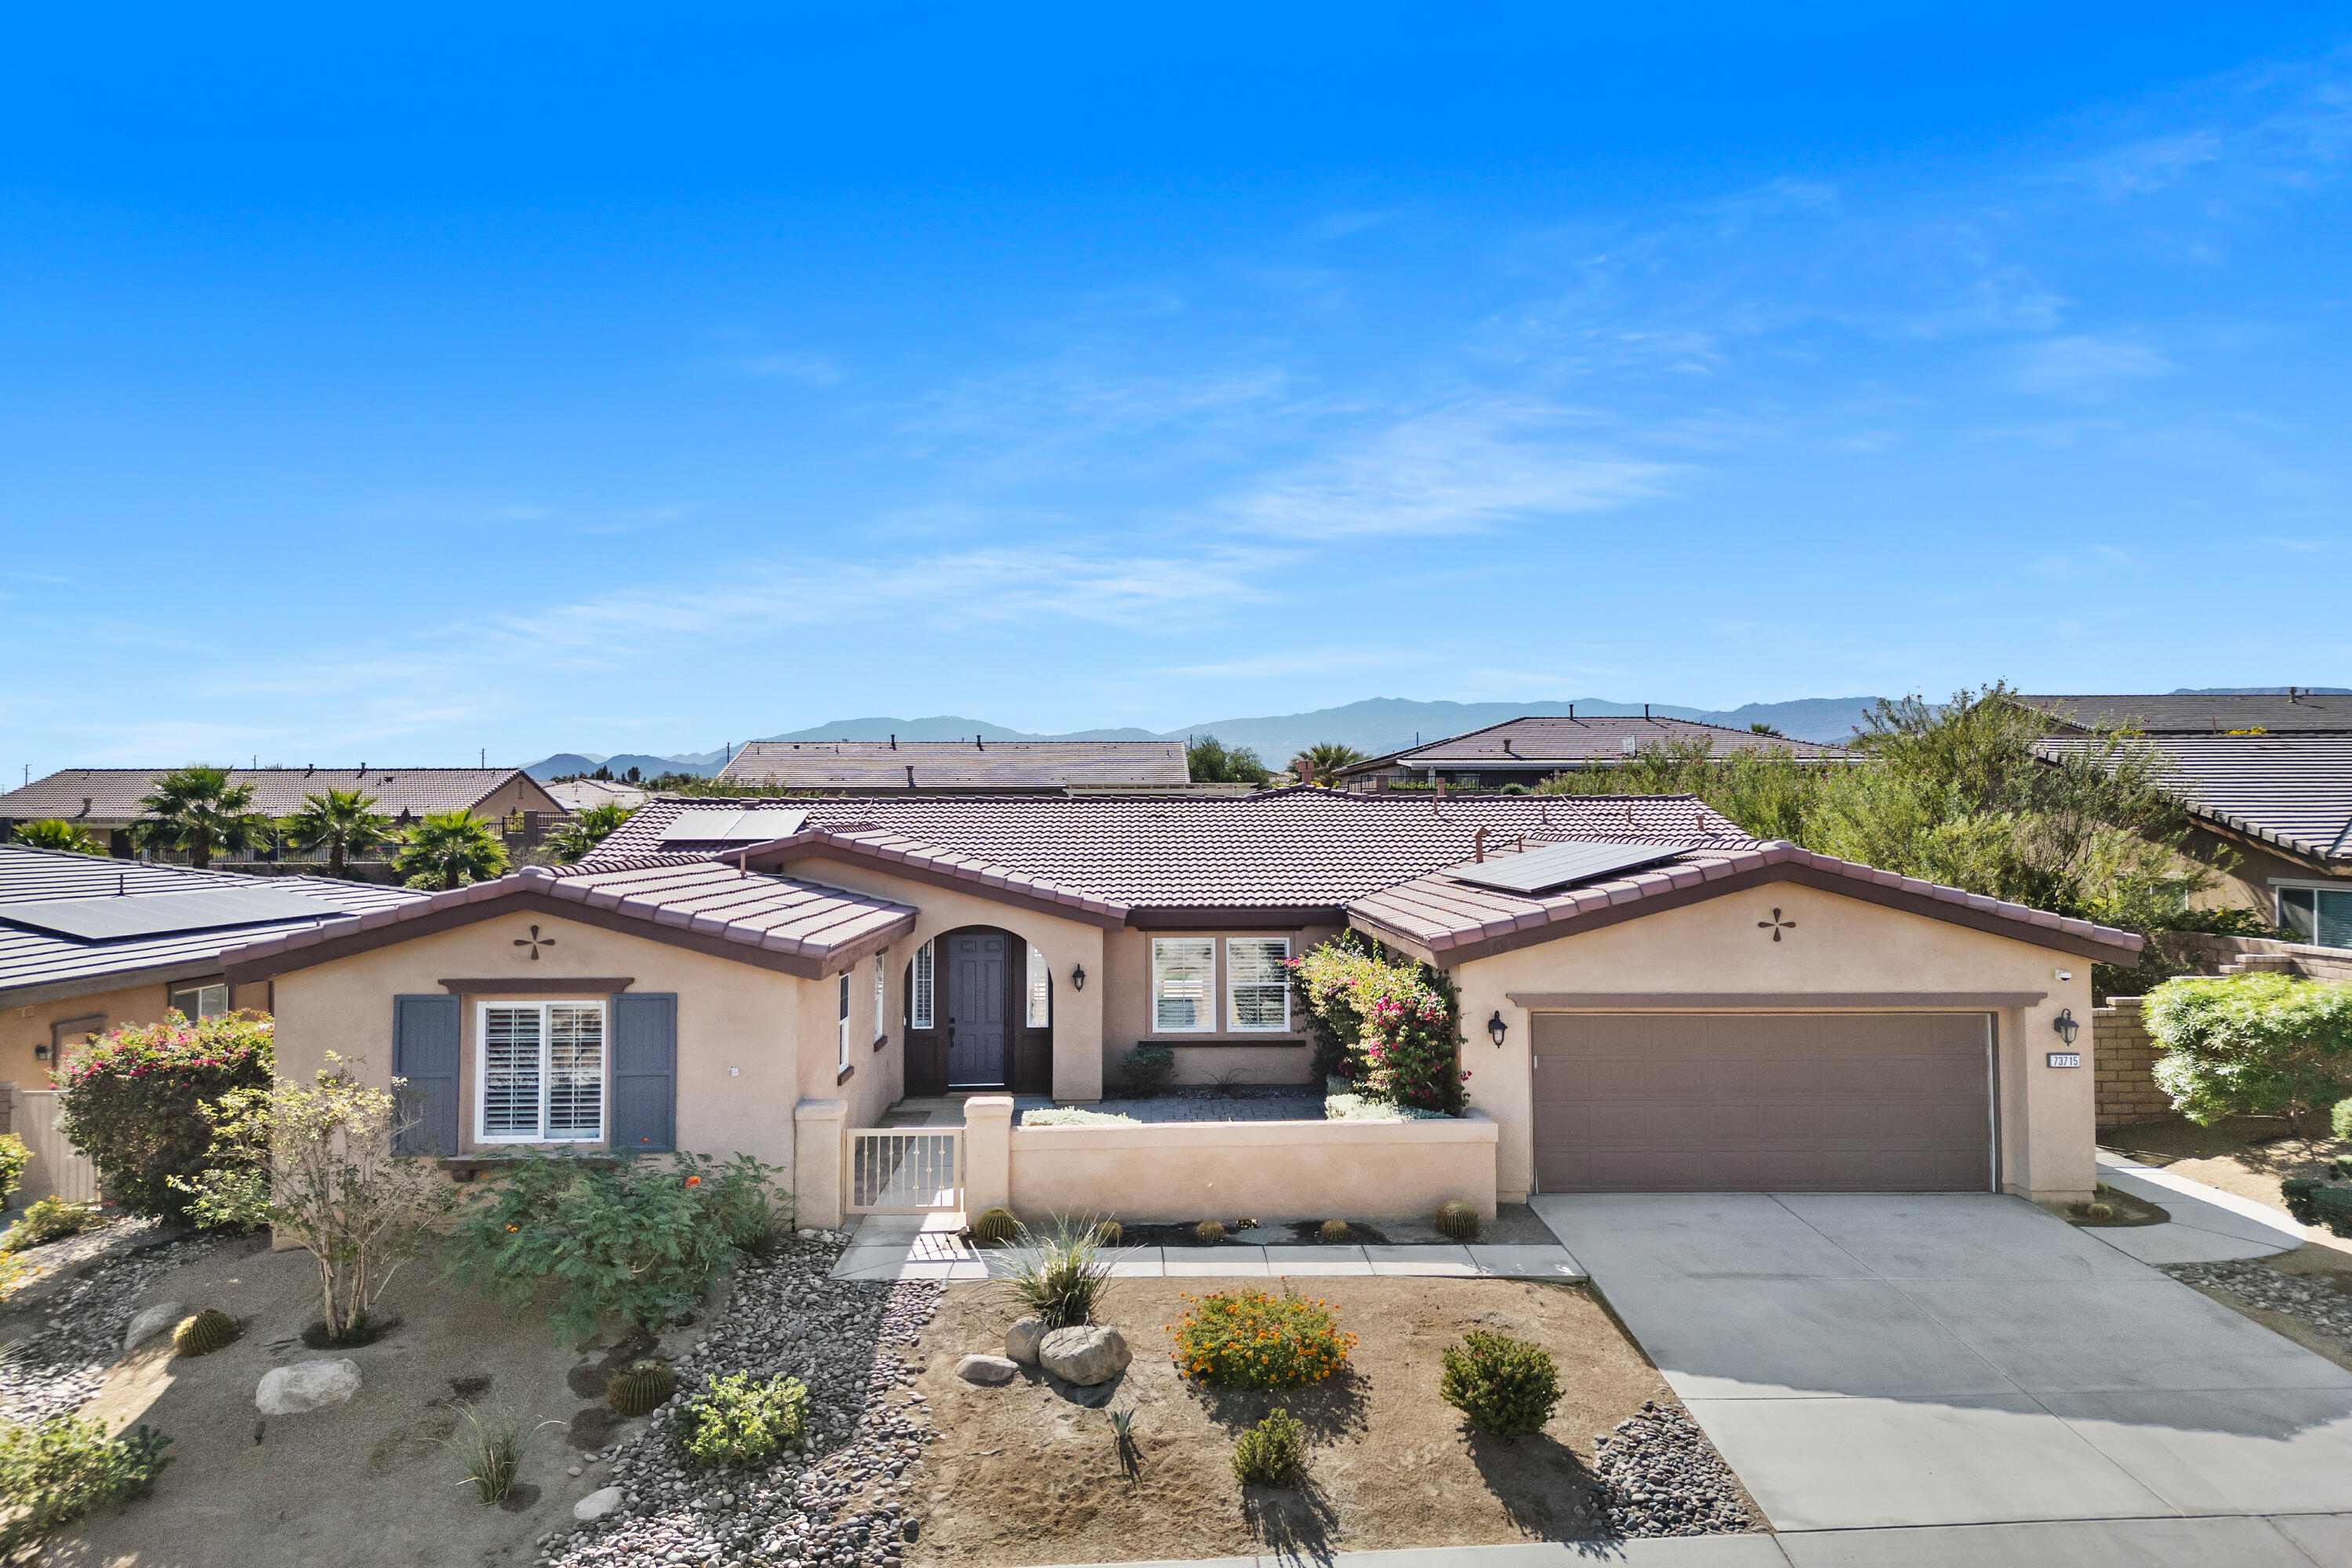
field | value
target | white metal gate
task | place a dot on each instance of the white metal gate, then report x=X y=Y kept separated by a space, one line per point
x=904 y=1170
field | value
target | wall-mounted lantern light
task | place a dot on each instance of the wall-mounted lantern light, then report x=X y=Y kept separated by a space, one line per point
x=1496 y=1029
x=1079 y=978
x=2065 y=1026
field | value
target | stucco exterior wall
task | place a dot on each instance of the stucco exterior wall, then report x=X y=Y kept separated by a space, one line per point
x=1201 y=1058
x=1838 y=944
x=739 y=1027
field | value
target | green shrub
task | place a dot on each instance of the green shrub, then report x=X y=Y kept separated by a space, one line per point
x=2340 y=1122
x=51 y=1219
x=737 y=1421
x=1457 y=1220
x=1268 y=1454
x=58 y=1470
x=134 y=1102
x=1063 y=1275
x=1505 y=1386
x=14 y=1157
x=995 y=1226
x=1249 y=1339
x=1145 y=1071
x=620 y=1236
x=1397 y=1025
x=2301 y=1196
x=2251 y=1044
x=2333 y=1205
x=1209 y=1231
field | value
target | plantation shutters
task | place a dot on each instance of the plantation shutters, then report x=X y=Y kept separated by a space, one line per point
x=425 y=1052
x=510 y=1072
x=1040 y=1011
x=1183 y=984
x=919 y=1003
x=644 y=1071
x=1257 y=983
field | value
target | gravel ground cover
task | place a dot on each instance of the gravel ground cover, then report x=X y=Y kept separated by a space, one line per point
x=2314 y=1302
x=1660 y=1476
x=840 y=1503
x=64 y=1342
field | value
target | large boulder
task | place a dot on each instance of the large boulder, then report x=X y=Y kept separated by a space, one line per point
x=1020 y=1340
x=149 y=1322
x=596 y=1504
x=988 y=1369
x=1086 y=1356
x=305 y=1386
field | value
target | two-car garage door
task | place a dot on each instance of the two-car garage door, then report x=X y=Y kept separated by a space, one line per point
x=1763 y=1102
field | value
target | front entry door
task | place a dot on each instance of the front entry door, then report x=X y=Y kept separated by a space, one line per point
x=976 y=1011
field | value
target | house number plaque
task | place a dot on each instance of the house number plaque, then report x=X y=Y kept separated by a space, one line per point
x=2065 y=1059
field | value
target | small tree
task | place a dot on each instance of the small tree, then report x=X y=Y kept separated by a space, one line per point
x=316 y=1163
x=2253 y=1045
x=1322 y=761
x=576 y=840
x=1210 y=760
x=448 y=849
x=195 y=809
x=134 y=1101
x=343 y=822
x=55 y=833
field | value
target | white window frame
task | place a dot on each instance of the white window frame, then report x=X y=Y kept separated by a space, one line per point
x=482 y=1011
x=1037 y=1010
x=201 y=990
x=881 y=997
x=1165 y=954
x=920 y=982
x=842 y=1064
x=1235 y=985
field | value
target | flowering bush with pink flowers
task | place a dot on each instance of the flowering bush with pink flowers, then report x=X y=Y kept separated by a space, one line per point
x=133 y=1101
x=1394 y=1025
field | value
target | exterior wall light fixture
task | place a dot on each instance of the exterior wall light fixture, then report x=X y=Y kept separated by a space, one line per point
x=2065 y=1026
x=1496 y=1029
x=1079 y=978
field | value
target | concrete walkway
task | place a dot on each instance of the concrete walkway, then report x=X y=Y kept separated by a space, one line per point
x=2208 y=1225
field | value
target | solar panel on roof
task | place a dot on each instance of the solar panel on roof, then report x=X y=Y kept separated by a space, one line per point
x=1553 y=866
x=113 y=916
x=756 y=826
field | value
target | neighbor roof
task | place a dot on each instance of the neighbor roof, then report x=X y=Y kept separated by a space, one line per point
x=2291 y=791
x=39 y=964
x=1572 y=741
x=957 y=764
x=686 y=900
x=2188 y=712
x=113 y=793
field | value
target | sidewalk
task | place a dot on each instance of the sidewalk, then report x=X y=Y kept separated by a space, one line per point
x=2208 y=1225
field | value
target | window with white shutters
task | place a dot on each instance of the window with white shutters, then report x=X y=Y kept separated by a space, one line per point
x=1183 y=984
x=881 y=994
x=1041 y=990
x=543 y=1072
x=842 y=1057
x=920 y=1005
x=1257 y=983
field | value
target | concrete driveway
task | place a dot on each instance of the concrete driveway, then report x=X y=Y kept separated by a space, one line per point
x=1873 y=1360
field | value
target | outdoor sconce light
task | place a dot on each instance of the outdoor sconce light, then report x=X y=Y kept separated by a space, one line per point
x=1496 y=1029
x=1079 y=978
x=2065 y=1026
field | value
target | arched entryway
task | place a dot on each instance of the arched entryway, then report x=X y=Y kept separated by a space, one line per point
x=989 y=1021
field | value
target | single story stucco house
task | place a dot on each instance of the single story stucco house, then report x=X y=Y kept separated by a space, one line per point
x=1652 y=999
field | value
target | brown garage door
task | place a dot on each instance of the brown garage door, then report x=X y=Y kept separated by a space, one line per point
x=1763 y=1102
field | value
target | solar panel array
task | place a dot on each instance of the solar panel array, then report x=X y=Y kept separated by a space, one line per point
x=111 y=918
x=1541 y=870
x=756 y=826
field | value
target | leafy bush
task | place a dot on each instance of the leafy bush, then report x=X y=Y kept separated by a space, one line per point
x=1356 y=1108
x=2251 y=1044
x=619 y=1235
x=1145 y=1071
x=55 y=833
x=2299 y=1193
x=14 y=1157
x=58 y=1470
x=1063 y=1274
x=1249 y=1339
x=51 y=1219
x=1268 y=1454
x=1504 y=1385
x=2340 y=1122
x=1396 y=1027
x=134 y=1102
x=737 y=1421
x=1074 y=1116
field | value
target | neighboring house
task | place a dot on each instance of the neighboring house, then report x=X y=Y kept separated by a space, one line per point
x=88 y=944
x=974 y=766
x=104 y=802
x=2267 y=780
x=577 y=796
x=1528 y=751
x=1652 y=999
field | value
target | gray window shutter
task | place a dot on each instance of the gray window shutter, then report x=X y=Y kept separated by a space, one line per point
x=425 y=1052
x=644 y=1071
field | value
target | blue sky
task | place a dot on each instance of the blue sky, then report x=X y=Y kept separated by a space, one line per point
x=404 y=383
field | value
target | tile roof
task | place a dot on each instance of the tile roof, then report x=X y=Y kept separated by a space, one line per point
x=39 y=958
x=1447 y=917
x=2187 y=713
x=691 y=895
x=584 y=794
x=1283 y=849
x=114 y=792
x=1564 y=742
x=2292 y=791
x=957 y=764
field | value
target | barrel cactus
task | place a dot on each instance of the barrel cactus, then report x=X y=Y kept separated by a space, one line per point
x=1457 y=1220
x=641 y=1387
x=995 y=1226
x=1109 y=1233
x=204 y=1333
x=1209 y=1232
x=1334 y=1231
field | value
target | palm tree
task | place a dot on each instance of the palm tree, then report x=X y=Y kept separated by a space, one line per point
x=55 y=833
x=342 y=822
x=575 y=838
x=449 y=848
x=1322 y=761
x=197 y=809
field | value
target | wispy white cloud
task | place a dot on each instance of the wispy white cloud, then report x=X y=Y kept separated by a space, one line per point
x=2085 y=365
x=811 y=370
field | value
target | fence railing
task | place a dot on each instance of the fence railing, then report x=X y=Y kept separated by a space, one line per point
x=904 y=1170
x=58 y=1167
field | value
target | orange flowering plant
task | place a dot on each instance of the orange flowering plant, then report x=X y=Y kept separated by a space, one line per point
x=1251 y=1339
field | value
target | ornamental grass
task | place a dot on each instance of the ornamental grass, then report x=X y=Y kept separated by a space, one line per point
x=1249 y=1339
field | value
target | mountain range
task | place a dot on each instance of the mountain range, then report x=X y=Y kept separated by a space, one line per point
x=1375 y=726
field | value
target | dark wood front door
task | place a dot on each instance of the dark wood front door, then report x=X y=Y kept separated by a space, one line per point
x=977 y=982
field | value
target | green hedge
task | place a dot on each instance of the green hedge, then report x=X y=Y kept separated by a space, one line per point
x=2251 y=1044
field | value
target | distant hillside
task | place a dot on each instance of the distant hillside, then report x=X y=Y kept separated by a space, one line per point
x=1375 y=726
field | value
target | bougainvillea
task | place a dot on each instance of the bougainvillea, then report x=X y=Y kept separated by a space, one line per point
x=133 y=1098
x=1397 y=1025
